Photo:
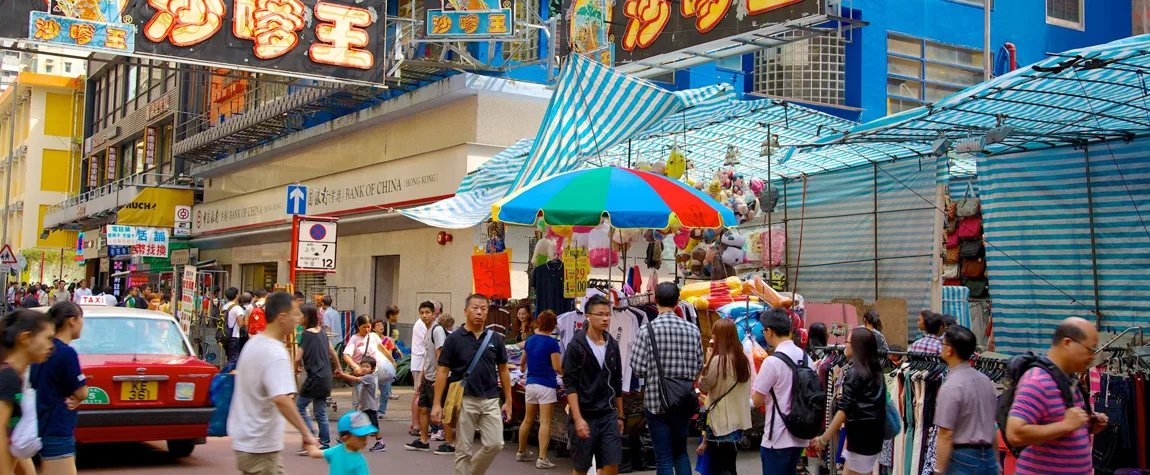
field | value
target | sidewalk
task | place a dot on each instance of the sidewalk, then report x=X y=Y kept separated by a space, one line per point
x=397 y=410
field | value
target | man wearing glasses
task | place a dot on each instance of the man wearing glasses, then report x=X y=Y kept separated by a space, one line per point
x=1056 y=438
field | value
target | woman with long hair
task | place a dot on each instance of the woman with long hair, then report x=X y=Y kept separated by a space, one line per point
x=315 y=357
x=872 y=322
x=543 y=366
x=60 y=387
x=862 y=405
x=363 y=343
x=524 y=325
x=817 y=340
x=726 y=380
x=26 y=339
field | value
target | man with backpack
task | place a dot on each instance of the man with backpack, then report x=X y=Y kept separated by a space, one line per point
x=233 y=319
x=791 y=393
x=1049 y=422
x=668 y=353
x=257 y=319
x=964 y=411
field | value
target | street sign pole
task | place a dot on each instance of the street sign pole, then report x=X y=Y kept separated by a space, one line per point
x=321 y=240
x=294 y=249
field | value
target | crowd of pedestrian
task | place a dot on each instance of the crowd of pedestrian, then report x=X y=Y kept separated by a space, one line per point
x=463 y=386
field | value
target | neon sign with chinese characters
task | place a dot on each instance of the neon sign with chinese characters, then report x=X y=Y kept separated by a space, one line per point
x=467 y=23
x=641 y=29
x=317 y=38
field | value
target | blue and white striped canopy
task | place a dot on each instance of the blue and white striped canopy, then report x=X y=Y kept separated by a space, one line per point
x=1086 y=94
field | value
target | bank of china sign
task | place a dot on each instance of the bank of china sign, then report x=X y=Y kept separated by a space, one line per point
x=342 y=39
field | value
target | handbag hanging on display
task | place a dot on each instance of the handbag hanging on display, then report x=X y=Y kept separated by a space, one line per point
x=969 y=228
x=952 y=241
x=951 y=256
x=968 y=205
x=979 y=287
x=951 y=209
x=972 y=248
x=950 y=271
x=972 y=268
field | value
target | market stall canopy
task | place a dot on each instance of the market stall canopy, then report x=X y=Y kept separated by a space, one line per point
x=631 y=199
x=1084 y=95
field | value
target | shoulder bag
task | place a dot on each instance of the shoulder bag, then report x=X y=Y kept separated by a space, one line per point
x=25 y=441
x=455 y=390
x=967 y=205
x=677 y=395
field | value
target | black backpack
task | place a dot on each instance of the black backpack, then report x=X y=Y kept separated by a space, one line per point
x=1015 y=369
x=808 y=401
x=223 y=331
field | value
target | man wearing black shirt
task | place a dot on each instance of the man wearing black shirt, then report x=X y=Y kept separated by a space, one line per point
x=480 y=409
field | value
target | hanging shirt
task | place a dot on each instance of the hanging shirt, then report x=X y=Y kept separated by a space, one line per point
x=566 y=326
x=623 y=328
x=549 y=288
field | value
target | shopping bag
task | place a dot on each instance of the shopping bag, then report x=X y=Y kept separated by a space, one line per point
x=703 y=463
x=25 y=442
x=220 y=393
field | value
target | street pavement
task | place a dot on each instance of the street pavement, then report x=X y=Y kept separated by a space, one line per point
x=216 y=456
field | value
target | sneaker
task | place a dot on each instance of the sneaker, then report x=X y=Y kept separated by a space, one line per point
x=524 y=456
x=378 y=447
x=418 y=445
x=439 y=436
x=544 y=464
x=393 y=397
x=445 y=449
x=414 y=432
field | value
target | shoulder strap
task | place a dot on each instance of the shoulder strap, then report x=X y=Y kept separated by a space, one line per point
x=478 y=354
x=658 y=365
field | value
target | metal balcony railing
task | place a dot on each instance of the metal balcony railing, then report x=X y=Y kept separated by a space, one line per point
x=139 y=179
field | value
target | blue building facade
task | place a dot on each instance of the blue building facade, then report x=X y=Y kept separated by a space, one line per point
x=911 y=52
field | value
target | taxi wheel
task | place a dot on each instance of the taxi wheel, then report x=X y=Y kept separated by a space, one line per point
x=181 y=448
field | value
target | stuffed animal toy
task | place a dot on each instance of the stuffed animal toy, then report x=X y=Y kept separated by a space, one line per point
x=643 y=165
x=659 y=168
x=682 y=238
x=739 y=186
x=714 y=188
x=743 y=213
x=732 y=243
x=756 y=186
x=676 y=164
x=698 y=258
x=724 y=177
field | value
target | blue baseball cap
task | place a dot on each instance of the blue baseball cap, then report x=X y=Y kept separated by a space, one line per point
x=356 y=423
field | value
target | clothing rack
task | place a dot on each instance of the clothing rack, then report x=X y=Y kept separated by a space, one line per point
x=641 y=299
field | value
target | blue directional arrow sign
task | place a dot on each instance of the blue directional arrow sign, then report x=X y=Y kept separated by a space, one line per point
x=296 y=199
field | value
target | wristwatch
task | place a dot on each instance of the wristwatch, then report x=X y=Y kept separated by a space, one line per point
x=624 y=419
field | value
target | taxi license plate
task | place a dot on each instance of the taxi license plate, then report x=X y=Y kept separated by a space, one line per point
x=139 y=391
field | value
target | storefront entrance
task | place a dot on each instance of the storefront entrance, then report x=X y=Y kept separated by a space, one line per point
x=262 y=275
x=385 y=284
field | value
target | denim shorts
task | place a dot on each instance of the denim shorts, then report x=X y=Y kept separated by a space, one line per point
x=57 y=447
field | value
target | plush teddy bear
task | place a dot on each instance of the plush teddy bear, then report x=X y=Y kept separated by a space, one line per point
x=738 y=186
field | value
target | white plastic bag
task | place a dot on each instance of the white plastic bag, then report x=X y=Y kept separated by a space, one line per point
x=25 y=440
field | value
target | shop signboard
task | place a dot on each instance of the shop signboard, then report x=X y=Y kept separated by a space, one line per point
x=183 y=221
x=93 y=171
x=181 y=257
x=151 y=242
x=110 y=164
x=642 y=29
x=316 y=39
x=468 y=23
x=120 y=235
x=188 y=298
x=576 y=269
x=150 y=144
x=155 y=207
x=79 y=247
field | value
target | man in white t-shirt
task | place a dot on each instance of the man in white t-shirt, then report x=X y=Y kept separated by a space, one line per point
x=781 y=449
x=427 y=315
x=264 y=386
x=234 y=313
x=81 y=291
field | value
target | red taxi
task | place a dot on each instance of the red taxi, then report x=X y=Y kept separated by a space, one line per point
x=144 y=380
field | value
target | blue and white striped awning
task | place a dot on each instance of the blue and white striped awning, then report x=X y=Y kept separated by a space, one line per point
x=593 y=109
x=1083 y=95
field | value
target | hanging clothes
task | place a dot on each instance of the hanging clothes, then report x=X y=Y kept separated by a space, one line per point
x=549 y=288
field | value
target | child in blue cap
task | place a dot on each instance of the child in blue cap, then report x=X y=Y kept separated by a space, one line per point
x=346 y=459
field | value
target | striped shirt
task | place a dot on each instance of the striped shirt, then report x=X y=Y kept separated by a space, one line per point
x=1039 y=401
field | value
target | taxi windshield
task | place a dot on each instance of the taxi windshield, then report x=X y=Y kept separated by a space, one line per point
x=127 y=336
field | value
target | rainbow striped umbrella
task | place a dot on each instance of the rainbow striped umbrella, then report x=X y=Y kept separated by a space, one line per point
x=632 y=199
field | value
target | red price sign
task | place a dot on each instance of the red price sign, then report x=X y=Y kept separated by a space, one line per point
x=491 y=274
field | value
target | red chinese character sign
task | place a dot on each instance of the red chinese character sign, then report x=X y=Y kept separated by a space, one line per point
x=341 y=39
x=641 y=29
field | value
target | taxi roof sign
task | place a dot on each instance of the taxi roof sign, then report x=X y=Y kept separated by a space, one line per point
x=92 y=300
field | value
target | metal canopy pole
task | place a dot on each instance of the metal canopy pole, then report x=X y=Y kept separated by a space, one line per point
x=1093 y=243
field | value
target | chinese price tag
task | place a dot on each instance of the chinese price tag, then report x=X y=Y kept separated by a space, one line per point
x=576 y=269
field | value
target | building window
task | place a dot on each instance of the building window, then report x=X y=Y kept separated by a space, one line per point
x=811 y=70
x=527 y=50
x=921 y=71
x=48 y=68
x=67 y=67
x=1067 y=13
